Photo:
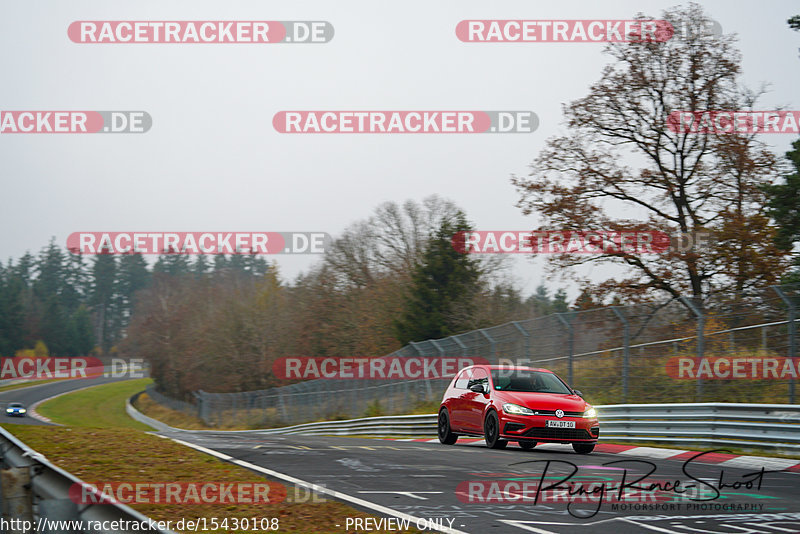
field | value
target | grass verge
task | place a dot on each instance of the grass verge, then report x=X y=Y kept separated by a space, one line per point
x=176 y=418
x=96 y=407
x=102 y=446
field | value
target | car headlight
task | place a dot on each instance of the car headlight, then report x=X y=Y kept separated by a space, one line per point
x=22 y=410
x=516 y=409
x=591 y=413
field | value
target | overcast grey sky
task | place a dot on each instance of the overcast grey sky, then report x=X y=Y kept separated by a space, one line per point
x=212 y=160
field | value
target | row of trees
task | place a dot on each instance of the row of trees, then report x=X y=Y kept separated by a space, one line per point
x=218 y=323
x=76 y=306
x=387 y=280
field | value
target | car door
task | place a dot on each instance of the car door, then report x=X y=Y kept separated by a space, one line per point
x=458 y=400
x=475 y=403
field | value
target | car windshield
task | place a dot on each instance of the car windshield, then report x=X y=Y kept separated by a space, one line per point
x=15 y=405
x=528 y=381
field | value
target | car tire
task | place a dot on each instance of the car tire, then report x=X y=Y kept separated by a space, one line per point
x=526 y=444
x=446 y=435
x=583 y=448
x=491 y=431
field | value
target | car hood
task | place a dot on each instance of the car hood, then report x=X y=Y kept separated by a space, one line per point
x=543 y=401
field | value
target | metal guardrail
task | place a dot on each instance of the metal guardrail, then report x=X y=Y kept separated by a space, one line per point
x=769 y=427
x=37 y=491
x=773 y=427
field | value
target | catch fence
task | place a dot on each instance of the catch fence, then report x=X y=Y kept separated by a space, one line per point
x=676 y=351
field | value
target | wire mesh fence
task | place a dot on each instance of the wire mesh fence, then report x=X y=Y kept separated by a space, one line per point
x=719 y=350
x=175 y=404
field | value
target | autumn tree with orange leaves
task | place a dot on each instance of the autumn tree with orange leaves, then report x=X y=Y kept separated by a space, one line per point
x=619 y=167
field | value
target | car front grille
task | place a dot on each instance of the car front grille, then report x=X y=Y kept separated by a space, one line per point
x=553 y=413
x=557 y=433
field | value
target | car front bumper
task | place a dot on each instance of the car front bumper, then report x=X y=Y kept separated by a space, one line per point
x=534 y=428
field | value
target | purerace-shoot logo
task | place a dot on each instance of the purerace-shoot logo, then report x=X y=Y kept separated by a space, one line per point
x=200 y=31
x=405 y=122
x=80 y=122
x=198 y=242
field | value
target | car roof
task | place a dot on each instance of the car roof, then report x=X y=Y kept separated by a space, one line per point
x=508 y=368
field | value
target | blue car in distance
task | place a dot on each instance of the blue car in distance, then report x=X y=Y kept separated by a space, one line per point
x=15 y=409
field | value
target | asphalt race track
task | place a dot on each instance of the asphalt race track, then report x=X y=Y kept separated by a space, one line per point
x=430 y=482
x=421 y=479
x=32 y=394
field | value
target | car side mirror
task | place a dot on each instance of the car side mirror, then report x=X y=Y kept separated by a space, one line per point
x=477 y=388
x=578 y=392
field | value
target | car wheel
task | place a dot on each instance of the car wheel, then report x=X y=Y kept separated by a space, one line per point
x=527 y=444
x=583 y=448
x=491 y=432
x=446 y=436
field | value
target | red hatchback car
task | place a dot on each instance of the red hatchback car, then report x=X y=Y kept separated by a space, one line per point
x=521 y=404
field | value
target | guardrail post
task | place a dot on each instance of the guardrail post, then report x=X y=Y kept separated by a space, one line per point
x=527 y=339
x=460 y=344
x=626 y=350
x=439 y=349
x=792 y=338
x=570 y=343
x=282 y=406
x=435 y=343
x=17 y=500
x=701 y=323
x=198 y=395
x=492 y=344
x=428 y=391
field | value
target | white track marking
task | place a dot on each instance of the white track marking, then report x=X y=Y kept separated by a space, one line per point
x=314 y=487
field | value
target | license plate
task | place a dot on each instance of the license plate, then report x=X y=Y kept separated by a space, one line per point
x=561 y=424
